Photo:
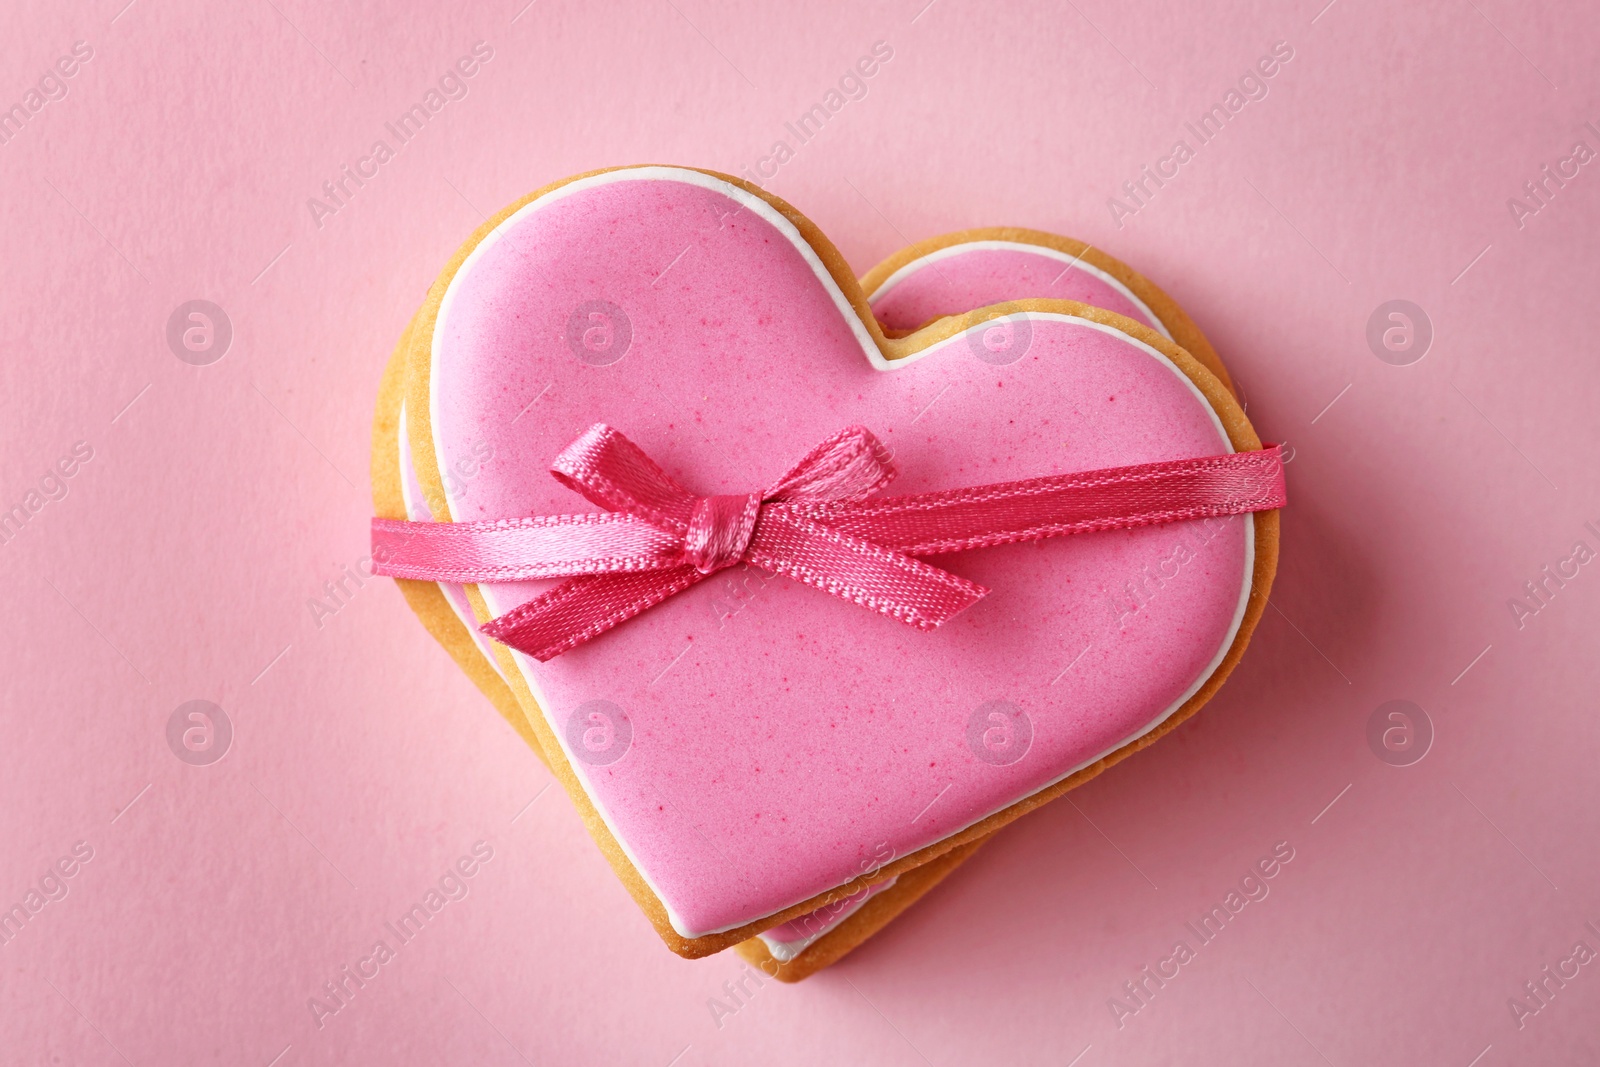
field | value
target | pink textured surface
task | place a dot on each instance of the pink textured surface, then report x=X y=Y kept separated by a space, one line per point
x=1378 y=167
x=779 y=749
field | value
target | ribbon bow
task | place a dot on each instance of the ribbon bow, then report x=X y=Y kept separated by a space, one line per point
x=815 y=525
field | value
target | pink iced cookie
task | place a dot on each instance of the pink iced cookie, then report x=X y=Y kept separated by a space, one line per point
x=747 y=742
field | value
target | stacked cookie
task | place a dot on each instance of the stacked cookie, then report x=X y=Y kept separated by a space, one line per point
x=766 y=765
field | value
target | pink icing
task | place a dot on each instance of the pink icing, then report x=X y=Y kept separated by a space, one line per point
x=781 y=738
x=963 y=277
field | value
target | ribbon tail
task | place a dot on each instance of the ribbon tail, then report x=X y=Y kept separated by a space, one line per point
x=850 y=568
x=583 y=608
x=518 y=550
x=1116 y=499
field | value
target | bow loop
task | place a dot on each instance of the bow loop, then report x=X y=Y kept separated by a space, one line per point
x=851 y=465
x=613 y=472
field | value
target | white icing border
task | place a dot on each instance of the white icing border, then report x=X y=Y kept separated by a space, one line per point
x=1045 y=251
x=784 y=951
x=875 y=359
x=417 y=511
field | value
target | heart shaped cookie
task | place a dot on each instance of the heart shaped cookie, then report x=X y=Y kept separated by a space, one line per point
x=750 y=746
x=943 y=275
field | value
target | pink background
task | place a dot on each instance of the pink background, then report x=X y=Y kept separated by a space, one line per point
x=180 y=563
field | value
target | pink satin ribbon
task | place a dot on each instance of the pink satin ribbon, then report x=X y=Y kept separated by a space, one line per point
x=815 y=525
